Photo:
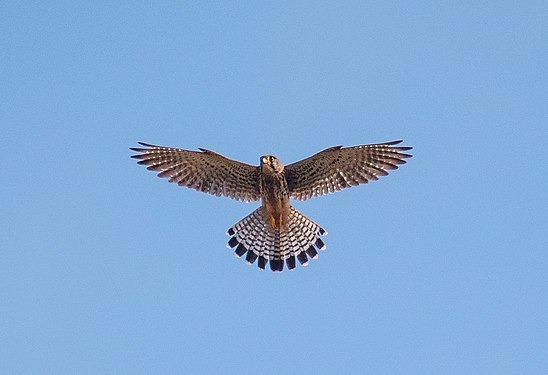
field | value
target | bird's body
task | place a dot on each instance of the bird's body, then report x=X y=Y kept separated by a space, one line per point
x=274 y=192
x=276 y=232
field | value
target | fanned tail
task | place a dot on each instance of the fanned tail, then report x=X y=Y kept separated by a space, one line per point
x=254 y=237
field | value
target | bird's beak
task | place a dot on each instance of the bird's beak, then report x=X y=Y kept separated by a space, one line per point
x=265 y=160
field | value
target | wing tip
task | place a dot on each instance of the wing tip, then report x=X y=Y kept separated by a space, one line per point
x=147 y=144
x=143 y=150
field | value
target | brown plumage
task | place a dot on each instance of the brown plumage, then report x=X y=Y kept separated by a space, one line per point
x=276 y=232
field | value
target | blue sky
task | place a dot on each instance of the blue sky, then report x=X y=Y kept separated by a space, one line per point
x=439 y=268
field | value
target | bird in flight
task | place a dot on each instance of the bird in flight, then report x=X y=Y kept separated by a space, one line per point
x=275 y=233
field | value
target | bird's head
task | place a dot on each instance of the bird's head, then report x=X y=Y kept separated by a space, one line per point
x=271 y=165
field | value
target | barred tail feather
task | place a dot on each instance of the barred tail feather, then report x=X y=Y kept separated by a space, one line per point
x=254 y=237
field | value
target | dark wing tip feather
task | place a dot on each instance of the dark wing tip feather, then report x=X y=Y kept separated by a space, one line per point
x=302 y=258
x=142 y=150
x=399 y=148
x=277 y=265
x=233 y=242
x=312 y=253
x=250 y=257
x=291 y=262
x=240 y=250
x=320 y=244
x=147 y=144
x=262 y=263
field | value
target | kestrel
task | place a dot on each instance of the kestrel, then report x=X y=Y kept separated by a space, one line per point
x=276 y=232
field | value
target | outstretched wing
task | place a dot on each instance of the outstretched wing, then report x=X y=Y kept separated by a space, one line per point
x=337 y=168
x=205 y=171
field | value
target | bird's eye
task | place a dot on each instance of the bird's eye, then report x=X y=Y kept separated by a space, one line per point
x=271 y=158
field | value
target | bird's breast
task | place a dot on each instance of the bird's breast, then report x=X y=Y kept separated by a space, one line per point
x=275 y=199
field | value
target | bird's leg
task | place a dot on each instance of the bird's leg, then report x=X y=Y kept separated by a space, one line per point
x=280 y=220
x=272 y=221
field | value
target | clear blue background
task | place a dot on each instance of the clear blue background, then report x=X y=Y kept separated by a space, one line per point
x=439 y=268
